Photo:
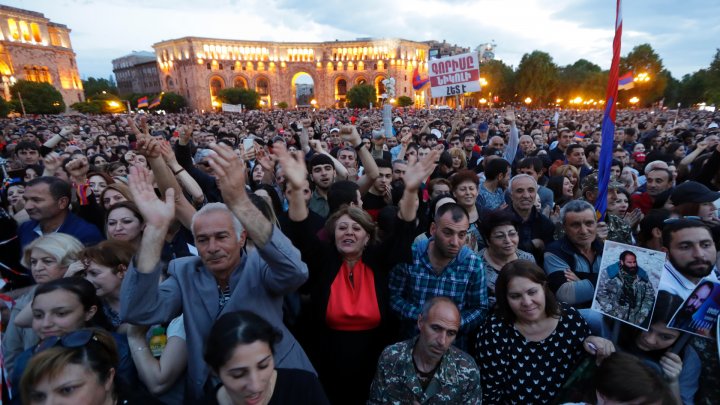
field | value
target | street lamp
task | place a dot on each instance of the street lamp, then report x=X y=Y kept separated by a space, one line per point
x=483 y=82
x=634 y=100
x=483 y=101
x=642 y=77
x=528 y=100
x=313 y=102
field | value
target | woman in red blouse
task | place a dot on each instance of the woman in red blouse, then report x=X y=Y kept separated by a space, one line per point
x=348 y=281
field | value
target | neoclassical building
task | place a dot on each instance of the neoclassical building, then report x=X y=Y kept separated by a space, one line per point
x=198 y=68
x=34 y=48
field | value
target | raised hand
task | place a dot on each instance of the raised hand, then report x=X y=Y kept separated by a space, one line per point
x=293 y=166
x=510 y=114
x=166 y=152
x=421 y=170
x=230 y=172
x=157 y=213
x=149 y=147
x=52 y=163
x=349 y=133
x=78 y=168
x=185 y=134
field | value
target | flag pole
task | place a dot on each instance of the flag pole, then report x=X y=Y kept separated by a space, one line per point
x=608 y=122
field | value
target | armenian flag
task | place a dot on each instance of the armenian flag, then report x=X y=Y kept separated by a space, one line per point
x=143 y=102
x=156 y=101
x=417 y=82
x=608 y=122
x=625 y=82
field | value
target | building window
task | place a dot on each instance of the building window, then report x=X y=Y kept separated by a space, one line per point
x=208 y=66
x=216 y=85
x=262 y=86
x=12 y=25
x=25 y=31
x=37 y=37
x=342 y=87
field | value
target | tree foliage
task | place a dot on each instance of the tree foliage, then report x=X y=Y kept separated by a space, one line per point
x=282 y=105
x=404 y=101
x=361 y=96
x=499 y=78
x=536 y=77
x=5 y=108
x=38 y=98
x=250 y=99
x=583 y=78
x=644 y=59
x=172 y=102
x=93 y=86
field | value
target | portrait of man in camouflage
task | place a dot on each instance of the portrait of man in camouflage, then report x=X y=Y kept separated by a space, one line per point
x=624 y=291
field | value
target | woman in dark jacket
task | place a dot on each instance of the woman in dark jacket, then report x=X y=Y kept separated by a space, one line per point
x=349 y=281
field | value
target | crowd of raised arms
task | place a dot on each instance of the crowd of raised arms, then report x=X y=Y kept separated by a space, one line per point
x=322 y=257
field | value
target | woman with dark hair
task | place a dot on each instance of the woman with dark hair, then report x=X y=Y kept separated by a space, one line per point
x=680 y=369
x=124 y=222
x=240 y=353
x=622 y=378
x=114 y=193
x=500 y=231
x=465 y=190
x=532 y=343
x=79 y=368
x=562 y=189
x=270 y=195
x=348 y=284
x=98 y=182
x=63 y=306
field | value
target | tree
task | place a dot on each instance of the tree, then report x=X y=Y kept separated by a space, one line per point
x=88 y=107
x=93 y=86
x=713 y=80
x=499 y=77
x=643 y=59
x=172 y=102
x=282 y=105
x=38 y=98
x=404 y=101
x=250 y=99
x=536 y=77
x=5 y=108
x=361 y=96
x=582 y=79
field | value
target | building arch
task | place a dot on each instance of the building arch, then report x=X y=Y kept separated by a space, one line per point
x=262 y=87
x=240 y=81
x=360 y=80
x=341 y=87
x=216 y=83
x=302 y=99
x=379 y=86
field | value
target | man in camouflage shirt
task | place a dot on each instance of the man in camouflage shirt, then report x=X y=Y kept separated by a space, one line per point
x=428 y=369
x=625 y=291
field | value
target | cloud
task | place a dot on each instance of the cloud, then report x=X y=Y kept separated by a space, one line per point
x=681 y=33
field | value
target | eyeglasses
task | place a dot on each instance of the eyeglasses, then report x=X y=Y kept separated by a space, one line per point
x=674 y=220
x=78 y=338
x=503 y=236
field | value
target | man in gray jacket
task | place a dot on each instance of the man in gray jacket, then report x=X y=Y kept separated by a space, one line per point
x=220 y=280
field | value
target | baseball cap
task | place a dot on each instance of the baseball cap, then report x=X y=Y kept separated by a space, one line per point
x=693 y=192
x=483 y=127
x=398 y=119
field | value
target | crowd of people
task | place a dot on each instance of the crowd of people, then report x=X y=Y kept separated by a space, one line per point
x=324 y=257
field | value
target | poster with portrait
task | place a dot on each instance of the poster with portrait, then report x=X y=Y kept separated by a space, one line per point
x=627 y=285
x=699 y=313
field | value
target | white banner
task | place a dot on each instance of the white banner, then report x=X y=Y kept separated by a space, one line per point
x=231 y=107
x=454 y=75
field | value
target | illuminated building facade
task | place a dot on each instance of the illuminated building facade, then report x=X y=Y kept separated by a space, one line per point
x=34 y=48
x=198 y=68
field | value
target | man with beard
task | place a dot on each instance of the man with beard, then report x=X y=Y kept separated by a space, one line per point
x=625 y=291
x=441 y=266
x=322 y=171
x=691 y=258
x=684 y=317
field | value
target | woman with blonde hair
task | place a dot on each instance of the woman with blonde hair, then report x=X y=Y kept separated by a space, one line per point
x=48 y=258
x=458 y=158
x=572 y=173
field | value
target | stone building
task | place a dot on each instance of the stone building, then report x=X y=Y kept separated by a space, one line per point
x=443 y=49
x=198 y=68
x=137 y=73
x=34 y=48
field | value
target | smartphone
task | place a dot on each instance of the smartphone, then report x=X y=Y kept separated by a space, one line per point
x=248 y=143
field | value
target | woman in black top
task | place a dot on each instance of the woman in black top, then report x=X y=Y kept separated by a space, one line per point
x=240 y=353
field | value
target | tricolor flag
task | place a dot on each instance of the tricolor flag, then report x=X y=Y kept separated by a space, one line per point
x=142 y=102
x=608 y=121
x=625 y=82
x=156 y=101
x=417 y=82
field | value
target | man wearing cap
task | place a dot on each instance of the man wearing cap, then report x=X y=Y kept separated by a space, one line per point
x=397 y=124
x=692 y=192
x=658 y=180
x=322 y=172
x=483 y=133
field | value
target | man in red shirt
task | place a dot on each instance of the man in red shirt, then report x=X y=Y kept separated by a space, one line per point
x=658 y=180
